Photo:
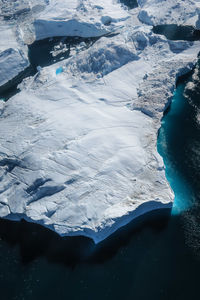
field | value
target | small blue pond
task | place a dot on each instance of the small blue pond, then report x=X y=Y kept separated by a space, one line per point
x=59 y=70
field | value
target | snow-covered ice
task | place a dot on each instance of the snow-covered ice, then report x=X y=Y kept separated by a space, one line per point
x=78 y=147
x=12 y=62
x=154 y=12
x=16 y=18
x=79 y=18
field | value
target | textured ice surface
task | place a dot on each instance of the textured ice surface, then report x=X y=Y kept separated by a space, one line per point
x=154 y=12
x=13 y=58
x=12 y=62
x=84 y=18
x=78 y=151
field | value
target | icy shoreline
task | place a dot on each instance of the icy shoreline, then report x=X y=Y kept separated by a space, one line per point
x=78 y=148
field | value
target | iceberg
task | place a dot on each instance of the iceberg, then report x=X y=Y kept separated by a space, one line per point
x=78 y=151
x=79 y=18
x=12 y=63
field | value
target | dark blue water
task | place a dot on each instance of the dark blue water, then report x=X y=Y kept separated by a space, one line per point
x=179 y=143
x=172 y=145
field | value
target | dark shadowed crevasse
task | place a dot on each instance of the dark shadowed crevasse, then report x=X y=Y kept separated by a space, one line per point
x=177 y=32
x=129 y=3
x=40 y=53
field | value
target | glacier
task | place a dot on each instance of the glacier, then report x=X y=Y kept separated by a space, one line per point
x=78 y=148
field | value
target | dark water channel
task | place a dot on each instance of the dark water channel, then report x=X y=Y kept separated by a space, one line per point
x=129 y=3
x=177 y=32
